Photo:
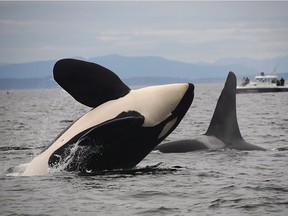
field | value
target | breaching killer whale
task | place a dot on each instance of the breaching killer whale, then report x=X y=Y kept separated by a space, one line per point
x=122 y=128
x=223 y=131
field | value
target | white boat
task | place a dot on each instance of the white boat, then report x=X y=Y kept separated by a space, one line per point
x=262 y=83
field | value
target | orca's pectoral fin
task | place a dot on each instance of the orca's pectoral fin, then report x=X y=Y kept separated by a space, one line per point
x=89 y=83
x=109 y=131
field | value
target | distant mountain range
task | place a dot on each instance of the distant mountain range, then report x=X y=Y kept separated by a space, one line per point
x=144 y=70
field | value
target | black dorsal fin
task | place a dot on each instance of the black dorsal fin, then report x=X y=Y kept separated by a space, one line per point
x=224 y=123
x=89 y=83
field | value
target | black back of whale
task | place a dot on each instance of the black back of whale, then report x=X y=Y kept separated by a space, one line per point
x=223 y=126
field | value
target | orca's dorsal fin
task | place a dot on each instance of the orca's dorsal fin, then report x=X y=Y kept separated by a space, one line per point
x=224 y=123
x=89 y=83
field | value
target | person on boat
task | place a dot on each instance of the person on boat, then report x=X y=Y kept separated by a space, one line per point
x=282 y=81
x=245 y=81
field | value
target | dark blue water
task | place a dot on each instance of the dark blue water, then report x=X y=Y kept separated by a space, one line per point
x=222 y=182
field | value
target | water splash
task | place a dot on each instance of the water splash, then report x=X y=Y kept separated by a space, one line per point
x=16 y=170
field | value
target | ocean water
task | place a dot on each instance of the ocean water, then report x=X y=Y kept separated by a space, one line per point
x=222 y=182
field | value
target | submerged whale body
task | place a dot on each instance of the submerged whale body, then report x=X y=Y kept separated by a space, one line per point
x=223 y=131
x=123 y=126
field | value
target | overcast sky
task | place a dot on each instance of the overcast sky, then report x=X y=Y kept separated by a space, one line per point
x=185 y=31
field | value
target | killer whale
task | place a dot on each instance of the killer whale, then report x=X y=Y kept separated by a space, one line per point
x=123 y=126
x=223 y=131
